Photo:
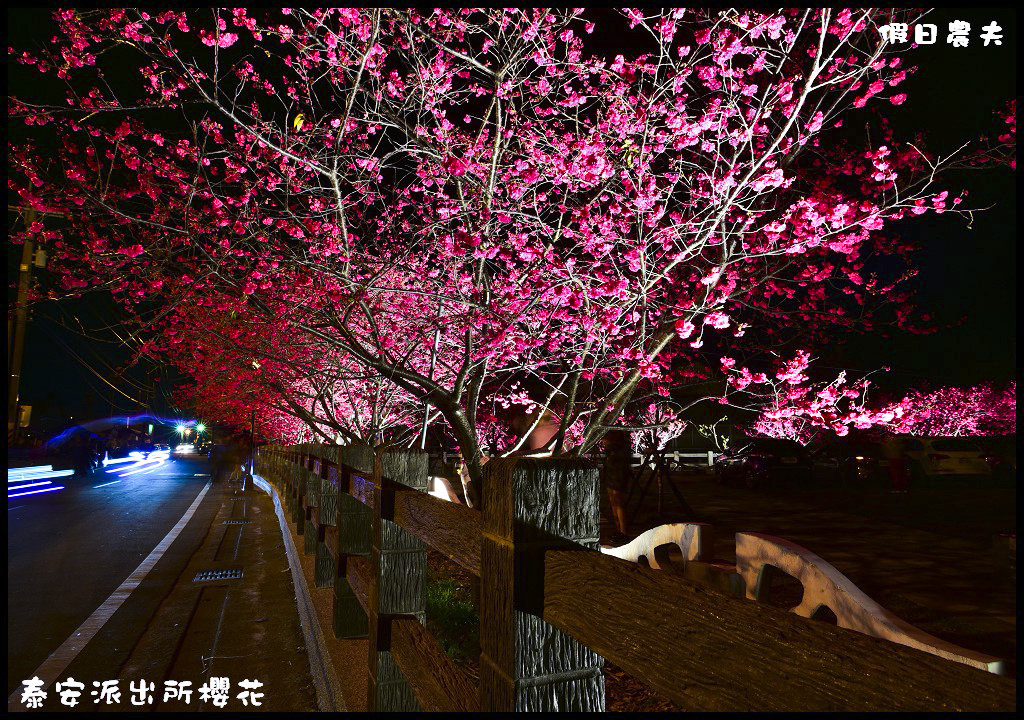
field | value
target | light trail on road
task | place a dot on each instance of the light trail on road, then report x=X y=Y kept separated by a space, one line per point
x=138 y=464
x=146 y=467
x=55 y=488
x=117 y=461
x=38 y=475
x=18 y=472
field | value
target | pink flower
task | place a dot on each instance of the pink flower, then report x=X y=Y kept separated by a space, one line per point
x=717 y=320
x=898 y=99
x=226 y=39
x=455 y=166
x=132 y=250
x=684 y=328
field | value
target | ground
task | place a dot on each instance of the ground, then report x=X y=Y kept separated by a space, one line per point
x=926 y=556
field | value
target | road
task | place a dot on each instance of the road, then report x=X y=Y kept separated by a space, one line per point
x=68 y=551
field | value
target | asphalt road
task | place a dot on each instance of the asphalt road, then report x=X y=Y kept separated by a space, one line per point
x=68 y=551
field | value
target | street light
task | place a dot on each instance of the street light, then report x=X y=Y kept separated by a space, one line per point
x=181 y=429
x=200 y=428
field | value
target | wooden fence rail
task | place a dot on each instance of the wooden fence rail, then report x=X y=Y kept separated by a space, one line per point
x=552 y=607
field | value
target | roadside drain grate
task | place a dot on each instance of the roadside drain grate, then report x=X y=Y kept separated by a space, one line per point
x=207 y=575
x=236 y=522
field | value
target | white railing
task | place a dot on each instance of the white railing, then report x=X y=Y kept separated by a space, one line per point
x=704 y=457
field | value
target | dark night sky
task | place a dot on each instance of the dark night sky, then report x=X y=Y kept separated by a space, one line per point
x=964 y=271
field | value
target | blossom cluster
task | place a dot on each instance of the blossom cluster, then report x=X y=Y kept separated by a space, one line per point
x=387 y=220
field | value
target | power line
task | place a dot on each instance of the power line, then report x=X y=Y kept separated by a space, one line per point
x=92 y=370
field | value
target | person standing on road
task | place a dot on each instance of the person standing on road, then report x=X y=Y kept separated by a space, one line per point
x=893 y=448
x=219 y=461
x=81 y=457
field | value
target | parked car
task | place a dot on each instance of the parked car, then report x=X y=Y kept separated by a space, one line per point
x=849 y=460
x=944 y=456
x=761 y=460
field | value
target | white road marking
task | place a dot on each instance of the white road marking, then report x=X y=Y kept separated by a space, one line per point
x=105 y=484
x=16 y=507
x=54 y=666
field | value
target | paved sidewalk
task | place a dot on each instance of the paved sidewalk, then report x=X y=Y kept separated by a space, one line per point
x=242 y=629
x=947 y=586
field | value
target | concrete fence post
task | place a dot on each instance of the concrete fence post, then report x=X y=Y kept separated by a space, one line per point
x=531 y=506
x=398 y=578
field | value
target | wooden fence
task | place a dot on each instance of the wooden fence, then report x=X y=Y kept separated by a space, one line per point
x=552 y=606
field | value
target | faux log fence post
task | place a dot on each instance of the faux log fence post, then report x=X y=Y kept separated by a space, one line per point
x=531 y=506
x=313 y=483
x=398 y=578
x=298 y=490
x=303 y=508
x=283 y=478
x=289 y=482
x=325 y=567
x=355 y=522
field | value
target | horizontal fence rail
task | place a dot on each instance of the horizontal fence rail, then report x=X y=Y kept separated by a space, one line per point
x=552 y=606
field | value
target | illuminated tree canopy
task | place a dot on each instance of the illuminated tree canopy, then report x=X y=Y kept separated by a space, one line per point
x=348 y=218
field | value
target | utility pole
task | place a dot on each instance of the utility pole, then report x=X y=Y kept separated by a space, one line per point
x=20 y=319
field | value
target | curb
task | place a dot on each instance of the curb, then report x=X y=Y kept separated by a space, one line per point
x=325 y=680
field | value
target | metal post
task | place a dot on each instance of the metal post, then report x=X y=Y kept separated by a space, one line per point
x=252 y=446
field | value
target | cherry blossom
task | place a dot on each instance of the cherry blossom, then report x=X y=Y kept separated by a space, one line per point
x=360 y=222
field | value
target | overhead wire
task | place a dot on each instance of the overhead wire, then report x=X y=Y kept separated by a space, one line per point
x=88 y=367
x=136 y=385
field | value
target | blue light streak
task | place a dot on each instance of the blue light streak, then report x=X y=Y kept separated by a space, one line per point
x=137 y=463
x=40 y=476
x=144 y=467
x=22 y=487
x=34 y=468
x=55 y=488
x=119 y=420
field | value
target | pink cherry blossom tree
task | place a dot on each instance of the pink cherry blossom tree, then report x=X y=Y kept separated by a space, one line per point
x=458 y=207
x=987 y=409
x=790 y=406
